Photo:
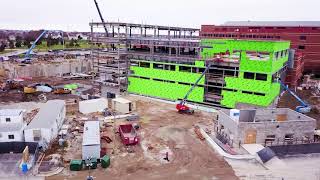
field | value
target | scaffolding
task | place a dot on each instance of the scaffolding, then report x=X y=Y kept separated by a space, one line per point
x=127 y=41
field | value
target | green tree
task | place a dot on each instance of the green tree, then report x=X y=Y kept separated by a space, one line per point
x=18 y=41
x=11 y=44
x=2 y=46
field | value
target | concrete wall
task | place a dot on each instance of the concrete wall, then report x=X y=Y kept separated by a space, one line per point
x=47 y=69
x=230 y=127
x=13 y=119
x=18 y=136
x=299 y=129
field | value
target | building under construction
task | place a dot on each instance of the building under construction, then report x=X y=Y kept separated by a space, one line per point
x=164 y=62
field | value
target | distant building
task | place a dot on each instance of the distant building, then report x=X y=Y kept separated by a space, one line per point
x=46 y=124
x=262 y=126
x=11 y=125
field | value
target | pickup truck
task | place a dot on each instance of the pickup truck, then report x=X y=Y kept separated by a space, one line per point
x=128 y=134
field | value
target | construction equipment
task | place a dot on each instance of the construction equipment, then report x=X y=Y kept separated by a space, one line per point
x=102 y=20
x=61 y=91
x=304 y=107
x=27 y=58
x=181 y=107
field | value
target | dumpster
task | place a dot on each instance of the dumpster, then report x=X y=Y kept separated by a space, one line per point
x=105 y=161
x=76 y=165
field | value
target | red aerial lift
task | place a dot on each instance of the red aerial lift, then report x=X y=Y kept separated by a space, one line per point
x=181 y=107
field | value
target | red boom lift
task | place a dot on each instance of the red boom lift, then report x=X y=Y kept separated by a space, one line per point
x=181 y=107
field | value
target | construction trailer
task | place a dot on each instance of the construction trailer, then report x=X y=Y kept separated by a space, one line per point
x=277 y=126
x=12 y=125
x=122 y=105
x=91 y=145
x=164 y=62
x=45 y=126
x=93 y=105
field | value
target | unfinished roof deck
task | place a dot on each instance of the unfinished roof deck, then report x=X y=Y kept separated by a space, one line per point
x=11 y=112
x=267 y=115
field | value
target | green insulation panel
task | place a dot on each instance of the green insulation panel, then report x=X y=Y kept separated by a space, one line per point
x=255 y=57
x=167 y=84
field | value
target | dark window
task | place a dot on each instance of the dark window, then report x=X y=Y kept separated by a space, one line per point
x=248 y=75
x=11 y=136
x=184 y=68
x=201 y=70
x=194 y=70
x=8 y=119
x=145 y=64
x=281 y=28
x=261 y=77
x=269 y=27
x=301 y=47
x=157 y=66
x=169 y=81
x=246 y=92
x=170 y=67
x=259 y=94
x=134 y=63
x=158 y=80
x=303 y=38
x=184 y=83
x=144 y=78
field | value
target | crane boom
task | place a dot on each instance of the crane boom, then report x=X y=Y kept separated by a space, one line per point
x=304 y=108
x=194 y=85
x=27 y=56
x=100 y=14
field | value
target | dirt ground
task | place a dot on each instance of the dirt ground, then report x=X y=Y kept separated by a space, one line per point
x=15 y=96
x=162 y=130
x=289 y=101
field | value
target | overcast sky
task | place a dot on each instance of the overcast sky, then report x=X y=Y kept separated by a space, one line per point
x=74 y=15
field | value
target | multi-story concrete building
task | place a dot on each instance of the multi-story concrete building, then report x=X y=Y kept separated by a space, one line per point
x=262 y=126
x=164 y=62
x=303 y=35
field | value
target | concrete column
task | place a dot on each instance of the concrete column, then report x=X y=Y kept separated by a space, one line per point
x=169 y=51
x=112 y=31
x=180 y=33
x=145 y=32
x=130 y=31
x=158 y=32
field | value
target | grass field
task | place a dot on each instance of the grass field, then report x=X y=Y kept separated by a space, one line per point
x=7 y=51
x=43 y=46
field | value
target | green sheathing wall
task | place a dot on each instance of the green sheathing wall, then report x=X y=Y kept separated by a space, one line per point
x=166 y=90
x=269 y=67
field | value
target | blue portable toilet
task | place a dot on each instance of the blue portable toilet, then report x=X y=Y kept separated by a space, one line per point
x=24 y=167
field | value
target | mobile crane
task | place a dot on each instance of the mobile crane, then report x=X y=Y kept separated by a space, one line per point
x=304 y=107
x=27 y=57
x=181 y=107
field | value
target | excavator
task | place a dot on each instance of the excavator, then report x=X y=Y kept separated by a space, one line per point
x=304 y=107
x=182 y=107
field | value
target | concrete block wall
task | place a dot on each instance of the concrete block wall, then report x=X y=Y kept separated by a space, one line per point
x=299 y=129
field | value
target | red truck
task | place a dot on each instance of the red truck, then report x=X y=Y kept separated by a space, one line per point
x=128 y=134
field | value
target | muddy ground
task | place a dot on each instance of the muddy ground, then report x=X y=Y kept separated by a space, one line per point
x=288 y=101
x=162 y=130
